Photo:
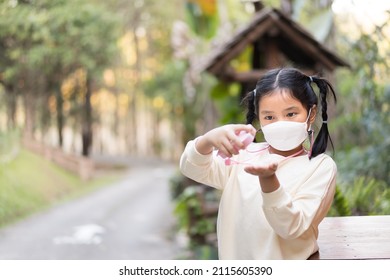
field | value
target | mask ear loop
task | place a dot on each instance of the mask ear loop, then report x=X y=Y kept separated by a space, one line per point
x=311 y=140
x=311 y=133
x=254 y=101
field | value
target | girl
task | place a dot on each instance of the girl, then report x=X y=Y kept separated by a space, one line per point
x=274 y=194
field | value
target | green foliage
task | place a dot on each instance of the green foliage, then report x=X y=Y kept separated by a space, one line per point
x=179 y=106
x=365 y=145
x=72 y=35
x=189 y=212
x=367 y=196
x=9 y=144
x=91 y=35
x=362 y=196
x=202 y=17
x=205 y=252
x=167 y=84
x=226 y=98
x=191 y=217
x=362 y=128
x=57 y=38
x=340 y=205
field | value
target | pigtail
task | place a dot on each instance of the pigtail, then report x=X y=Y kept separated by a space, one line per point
x=321 y=141
x=250 y=102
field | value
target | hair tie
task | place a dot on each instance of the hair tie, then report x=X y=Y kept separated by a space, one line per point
x=254 y=97
x=325 y=122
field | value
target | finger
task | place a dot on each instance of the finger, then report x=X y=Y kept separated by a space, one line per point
x=230 y=141
x=241 y=141
x=250 y=170
x=245 y=127
x=224 y=153
x=231 y=148
x=227 y=148
x=256 y=169
x=273 y=166
x=235 y=142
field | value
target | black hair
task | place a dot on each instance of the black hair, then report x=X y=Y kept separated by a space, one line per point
x=300 y=86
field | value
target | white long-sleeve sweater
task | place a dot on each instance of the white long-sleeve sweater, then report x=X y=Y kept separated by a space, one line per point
x=254 y=225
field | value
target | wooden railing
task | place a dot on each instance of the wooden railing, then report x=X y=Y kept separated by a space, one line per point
x=82 y=166
x=340 y=238
x=354 y=237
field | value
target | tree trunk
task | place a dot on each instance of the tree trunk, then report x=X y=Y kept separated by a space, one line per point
x=29 y=103
x=134 y=100
x=87 y=120
x=60 y=116
x=29 y=114
x=11 y=100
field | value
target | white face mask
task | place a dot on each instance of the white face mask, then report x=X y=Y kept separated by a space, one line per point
x=285 y=135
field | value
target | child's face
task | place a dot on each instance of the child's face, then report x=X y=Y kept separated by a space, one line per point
x=281 y=106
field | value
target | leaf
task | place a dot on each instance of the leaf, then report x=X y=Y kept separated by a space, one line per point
x=219 y=91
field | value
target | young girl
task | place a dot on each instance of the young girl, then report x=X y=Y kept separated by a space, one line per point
x=274 y=194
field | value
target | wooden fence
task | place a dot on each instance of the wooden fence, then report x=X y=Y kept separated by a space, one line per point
x=83 y=166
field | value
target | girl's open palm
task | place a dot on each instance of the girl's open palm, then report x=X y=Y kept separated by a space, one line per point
x=262 y=170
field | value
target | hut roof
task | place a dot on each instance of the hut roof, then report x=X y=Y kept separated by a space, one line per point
x=292 y=40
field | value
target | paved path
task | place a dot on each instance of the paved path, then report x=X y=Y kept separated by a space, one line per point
x=131 y=219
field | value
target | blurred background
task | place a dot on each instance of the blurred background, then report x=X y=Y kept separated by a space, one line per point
x=98 y=99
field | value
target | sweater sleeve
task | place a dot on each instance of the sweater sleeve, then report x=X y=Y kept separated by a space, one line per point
x=205 y=169
x=291 y=215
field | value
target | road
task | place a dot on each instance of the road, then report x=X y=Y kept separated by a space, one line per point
x=131 y=219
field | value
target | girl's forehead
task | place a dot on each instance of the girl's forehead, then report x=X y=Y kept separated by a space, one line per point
x=279 y=99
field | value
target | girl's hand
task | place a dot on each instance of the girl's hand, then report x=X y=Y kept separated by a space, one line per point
x=224 y=139
x=267 y=177
x=263 y=170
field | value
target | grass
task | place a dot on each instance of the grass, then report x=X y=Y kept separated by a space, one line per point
x=30 y=183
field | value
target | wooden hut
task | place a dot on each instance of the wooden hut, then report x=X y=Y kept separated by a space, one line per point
x=276 y=41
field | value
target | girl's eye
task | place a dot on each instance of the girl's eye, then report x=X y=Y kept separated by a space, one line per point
x=292 y=114
x=268 y=118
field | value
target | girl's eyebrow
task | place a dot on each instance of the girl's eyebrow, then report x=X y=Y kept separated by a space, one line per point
x=291 y=108
x=287 y=109
x=266 y=112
